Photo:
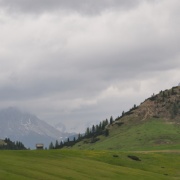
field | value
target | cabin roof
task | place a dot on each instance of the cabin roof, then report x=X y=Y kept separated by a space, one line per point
x=39 y=145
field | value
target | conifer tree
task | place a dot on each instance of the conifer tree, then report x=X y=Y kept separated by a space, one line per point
x=93 y=129
x=56 y=144
x=107 y=122
x=123 y=113
x=97 y=128
x=106 y=132
x=79 y=136
x=51 y=146
x=111 y=120
x=87 y=132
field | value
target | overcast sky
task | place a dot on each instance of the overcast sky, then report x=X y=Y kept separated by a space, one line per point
x=79 y=61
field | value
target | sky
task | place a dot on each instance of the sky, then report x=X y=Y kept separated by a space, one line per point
x=79 y=62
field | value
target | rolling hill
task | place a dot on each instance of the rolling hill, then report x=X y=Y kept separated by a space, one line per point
x=154 y=124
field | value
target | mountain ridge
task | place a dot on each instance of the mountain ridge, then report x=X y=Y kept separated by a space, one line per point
x=164 y=105
x=27 y=128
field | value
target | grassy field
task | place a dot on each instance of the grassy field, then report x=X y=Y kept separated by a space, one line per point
x=76 y=164
x=155 y=143
x=148 y=135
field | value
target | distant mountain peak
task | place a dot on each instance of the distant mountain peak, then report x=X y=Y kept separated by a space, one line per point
x=27 y=128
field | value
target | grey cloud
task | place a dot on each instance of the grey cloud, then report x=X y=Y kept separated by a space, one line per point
x=133 y=62
x=91 y=74
x=88 y=69
x=80 y=6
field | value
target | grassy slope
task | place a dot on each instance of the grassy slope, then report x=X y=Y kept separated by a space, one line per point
x=69 y=164
x=142 y=132
x=147 y=135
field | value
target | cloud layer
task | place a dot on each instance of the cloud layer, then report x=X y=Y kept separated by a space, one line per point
x=79 y=61
x=80 y=6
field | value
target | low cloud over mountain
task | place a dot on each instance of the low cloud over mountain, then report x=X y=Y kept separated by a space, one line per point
x=27 y=128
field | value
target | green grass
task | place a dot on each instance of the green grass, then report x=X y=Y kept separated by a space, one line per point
x=148 y=135
x=155 y=142
x=76 y=164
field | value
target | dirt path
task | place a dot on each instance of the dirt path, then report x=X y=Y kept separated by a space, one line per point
x=158 y=151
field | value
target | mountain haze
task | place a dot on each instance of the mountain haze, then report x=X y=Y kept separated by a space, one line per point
x=27 y=128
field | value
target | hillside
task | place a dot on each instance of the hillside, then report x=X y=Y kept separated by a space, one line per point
x=154 y=124
x=164 y=105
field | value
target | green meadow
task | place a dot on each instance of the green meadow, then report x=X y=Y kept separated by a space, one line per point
x=89 y=164
x=154 y=144
x=153 y=134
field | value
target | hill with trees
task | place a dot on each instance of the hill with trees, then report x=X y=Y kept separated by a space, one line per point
x=154 y=124
x=7 y=144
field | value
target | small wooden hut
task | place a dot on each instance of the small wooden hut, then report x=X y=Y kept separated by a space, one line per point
x=39 y=146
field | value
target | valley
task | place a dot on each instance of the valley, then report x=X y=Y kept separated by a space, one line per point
x=142 y=143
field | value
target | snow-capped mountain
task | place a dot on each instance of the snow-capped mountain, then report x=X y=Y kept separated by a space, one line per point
x=75 y=128
x=27 y=128
x=61 y=127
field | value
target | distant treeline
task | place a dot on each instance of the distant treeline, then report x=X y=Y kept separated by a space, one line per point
x=93 y=132
x=9 y=145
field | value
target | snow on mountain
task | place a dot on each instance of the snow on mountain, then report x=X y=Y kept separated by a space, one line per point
x=75 y=128
x=29 y=129
x=61 y=127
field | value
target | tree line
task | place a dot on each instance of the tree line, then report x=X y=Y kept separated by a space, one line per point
x=90 y=133
x=10 y=145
